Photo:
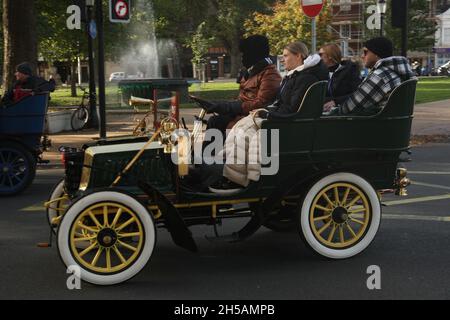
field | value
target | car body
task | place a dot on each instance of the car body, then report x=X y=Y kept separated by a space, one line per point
x=332 y=171
x=117 y=76
x=21 y=129
x=444 y=70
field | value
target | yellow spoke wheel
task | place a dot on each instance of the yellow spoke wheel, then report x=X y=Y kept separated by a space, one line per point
x=112 y=235
x=340 y=215
x=109 y=234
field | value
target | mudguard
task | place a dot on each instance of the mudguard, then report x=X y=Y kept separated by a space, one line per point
x=181 y=235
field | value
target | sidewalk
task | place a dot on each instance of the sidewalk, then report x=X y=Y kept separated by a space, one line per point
x=432 y=118
x=431 y=124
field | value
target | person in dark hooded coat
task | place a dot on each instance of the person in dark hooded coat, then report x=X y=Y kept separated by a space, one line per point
x=25 y=85
x=344 y=75
x=259 y=84
x=303 y=70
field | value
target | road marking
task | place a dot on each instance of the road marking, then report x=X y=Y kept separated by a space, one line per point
x=416 y=200
x=430 y=172
x=437 y=186
x=415 y=217
x=34 y=208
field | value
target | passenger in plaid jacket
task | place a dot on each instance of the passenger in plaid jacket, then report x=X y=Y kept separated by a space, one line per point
x=387 y=73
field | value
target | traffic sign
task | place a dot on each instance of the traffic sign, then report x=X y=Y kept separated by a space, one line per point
x=312 y=8
x=93 y=29
x=119 y=11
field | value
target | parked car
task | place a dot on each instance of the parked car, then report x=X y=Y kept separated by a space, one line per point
x=444 y=70
x=116 y=193
x=117 y=76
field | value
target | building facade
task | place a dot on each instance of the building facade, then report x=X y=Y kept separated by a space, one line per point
x=441 y=12
x=348 y=25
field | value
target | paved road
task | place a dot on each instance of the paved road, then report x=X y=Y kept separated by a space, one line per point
x=412 y=250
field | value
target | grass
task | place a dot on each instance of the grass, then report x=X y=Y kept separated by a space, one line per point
x=209 y=91
x=428 y=90
x=215 y=91
x=433 y=89
x=62 y=97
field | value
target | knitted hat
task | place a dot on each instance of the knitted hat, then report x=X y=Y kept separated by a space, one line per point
x=25 y=68
x=254 y=49
x=381 y=46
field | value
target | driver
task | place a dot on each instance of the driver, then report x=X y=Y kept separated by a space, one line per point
x=25 y=85
x=259 y=84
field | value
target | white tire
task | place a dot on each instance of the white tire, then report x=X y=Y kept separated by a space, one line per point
x=57 y=192
x=70 y=254
x=316 y=215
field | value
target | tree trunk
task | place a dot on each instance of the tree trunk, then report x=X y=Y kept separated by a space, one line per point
x=20 y=39
x=73 y=78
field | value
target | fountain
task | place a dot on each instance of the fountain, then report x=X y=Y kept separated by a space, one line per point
x=154 y=63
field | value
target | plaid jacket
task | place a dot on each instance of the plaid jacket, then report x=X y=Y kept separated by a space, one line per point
x=372 y=94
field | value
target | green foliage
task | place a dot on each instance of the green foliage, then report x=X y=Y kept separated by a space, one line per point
x=199 y=43
x=56 y=42
x=228 y=17
x=286 y=23
x=421 y=33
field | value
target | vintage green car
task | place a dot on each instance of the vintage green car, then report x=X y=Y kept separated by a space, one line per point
x=332 y=172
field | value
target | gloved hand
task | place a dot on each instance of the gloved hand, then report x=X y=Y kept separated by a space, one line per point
x=231 y=108
x=208 y=106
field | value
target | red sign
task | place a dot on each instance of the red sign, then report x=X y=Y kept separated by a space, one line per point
x=312 y=8
x=119 y=11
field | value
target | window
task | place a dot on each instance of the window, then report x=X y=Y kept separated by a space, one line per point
x=345 y=5
x=446 y=35
x=346 y=31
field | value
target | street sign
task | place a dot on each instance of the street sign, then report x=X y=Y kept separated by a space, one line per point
x=119 y=11
x=312 y=8
x=93 y=29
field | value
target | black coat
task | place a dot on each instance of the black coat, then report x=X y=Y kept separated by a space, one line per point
x=294 y=87
x=36 y=84
x=344 y=82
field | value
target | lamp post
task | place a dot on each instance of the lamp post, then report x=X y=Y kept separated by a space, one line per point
x=101 y=68
x=381 y=5
x=92 y=87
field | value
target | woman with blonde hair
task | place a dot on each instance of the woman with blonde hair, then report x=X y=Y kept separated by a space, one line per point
x=303 y=70
x=344 y=75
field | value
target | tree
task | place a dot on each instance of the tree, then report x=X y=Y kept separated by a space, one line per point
x=226 y=24
x=199 y=43
x=422 y=29
x=20 y=38
x=286 y=23
x=56 y=42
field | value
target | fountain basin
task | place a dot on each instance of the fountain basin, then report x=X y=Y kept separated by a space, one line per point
x=143 y=88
